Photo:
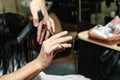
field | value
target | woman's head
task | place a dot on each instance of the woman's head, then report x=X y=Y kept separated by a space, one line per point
x=11 y=54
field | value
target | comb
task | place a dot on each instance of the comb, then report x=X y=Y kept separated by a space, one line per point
x=27 y=30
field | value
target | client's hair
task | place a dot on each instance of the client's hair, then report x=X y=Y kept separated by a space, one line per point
x=13 y=56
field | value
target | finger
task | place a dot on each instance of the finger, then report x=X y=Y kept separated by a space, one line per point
x=66 y=45
x=39 y=31
x=58 y=35
x=35 y=21
x=48 y=33
x=57 y=47
x=61 y=40
x=63 y=48
x=42 y=36
x=35 y=17
x=52 y=25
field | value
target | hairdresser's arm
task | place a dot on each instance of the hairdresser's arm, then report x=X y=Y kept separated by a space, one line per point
x=35 y=6
x=44 y=59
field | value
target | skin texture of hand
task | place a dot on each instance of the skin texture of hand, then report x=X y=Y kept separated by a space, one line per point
x=51 y=46
x=44 y=59
x=42 y=34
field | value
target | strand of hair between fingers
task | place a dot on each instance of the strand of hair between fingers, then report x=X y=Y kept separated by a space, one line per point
x=51 y=33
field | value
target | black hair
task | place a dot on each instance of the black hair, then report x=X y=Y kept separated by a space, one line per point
x=13 y=56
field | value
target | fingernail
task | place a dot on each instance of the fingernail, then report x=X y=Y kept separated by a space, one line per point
x=66 y=31
x=35 y=24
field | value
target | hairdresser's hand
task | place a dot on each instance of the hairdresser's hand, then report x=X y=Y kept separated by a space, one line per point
x=42 y=34
x=51 y=46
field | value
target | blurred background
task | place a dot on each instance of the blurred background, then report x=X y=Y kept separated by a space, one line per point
x=93 y=11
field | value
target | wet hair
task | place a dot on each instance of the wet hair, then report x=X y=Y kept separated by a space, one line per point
x=13 y=56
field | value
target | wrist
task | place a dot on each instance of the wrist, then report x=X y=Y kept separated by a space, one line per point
x=38 y=65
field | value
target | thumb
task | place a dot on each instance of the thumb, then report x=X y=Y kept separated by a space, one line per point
x=35 y=20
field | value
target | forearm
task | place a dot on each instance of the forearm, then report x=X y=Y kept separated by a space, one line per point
x=27 y=72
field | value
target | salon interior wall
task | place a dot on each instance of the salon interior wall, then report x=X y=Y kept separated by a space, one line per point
x=105 y=11
x=11 y=6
